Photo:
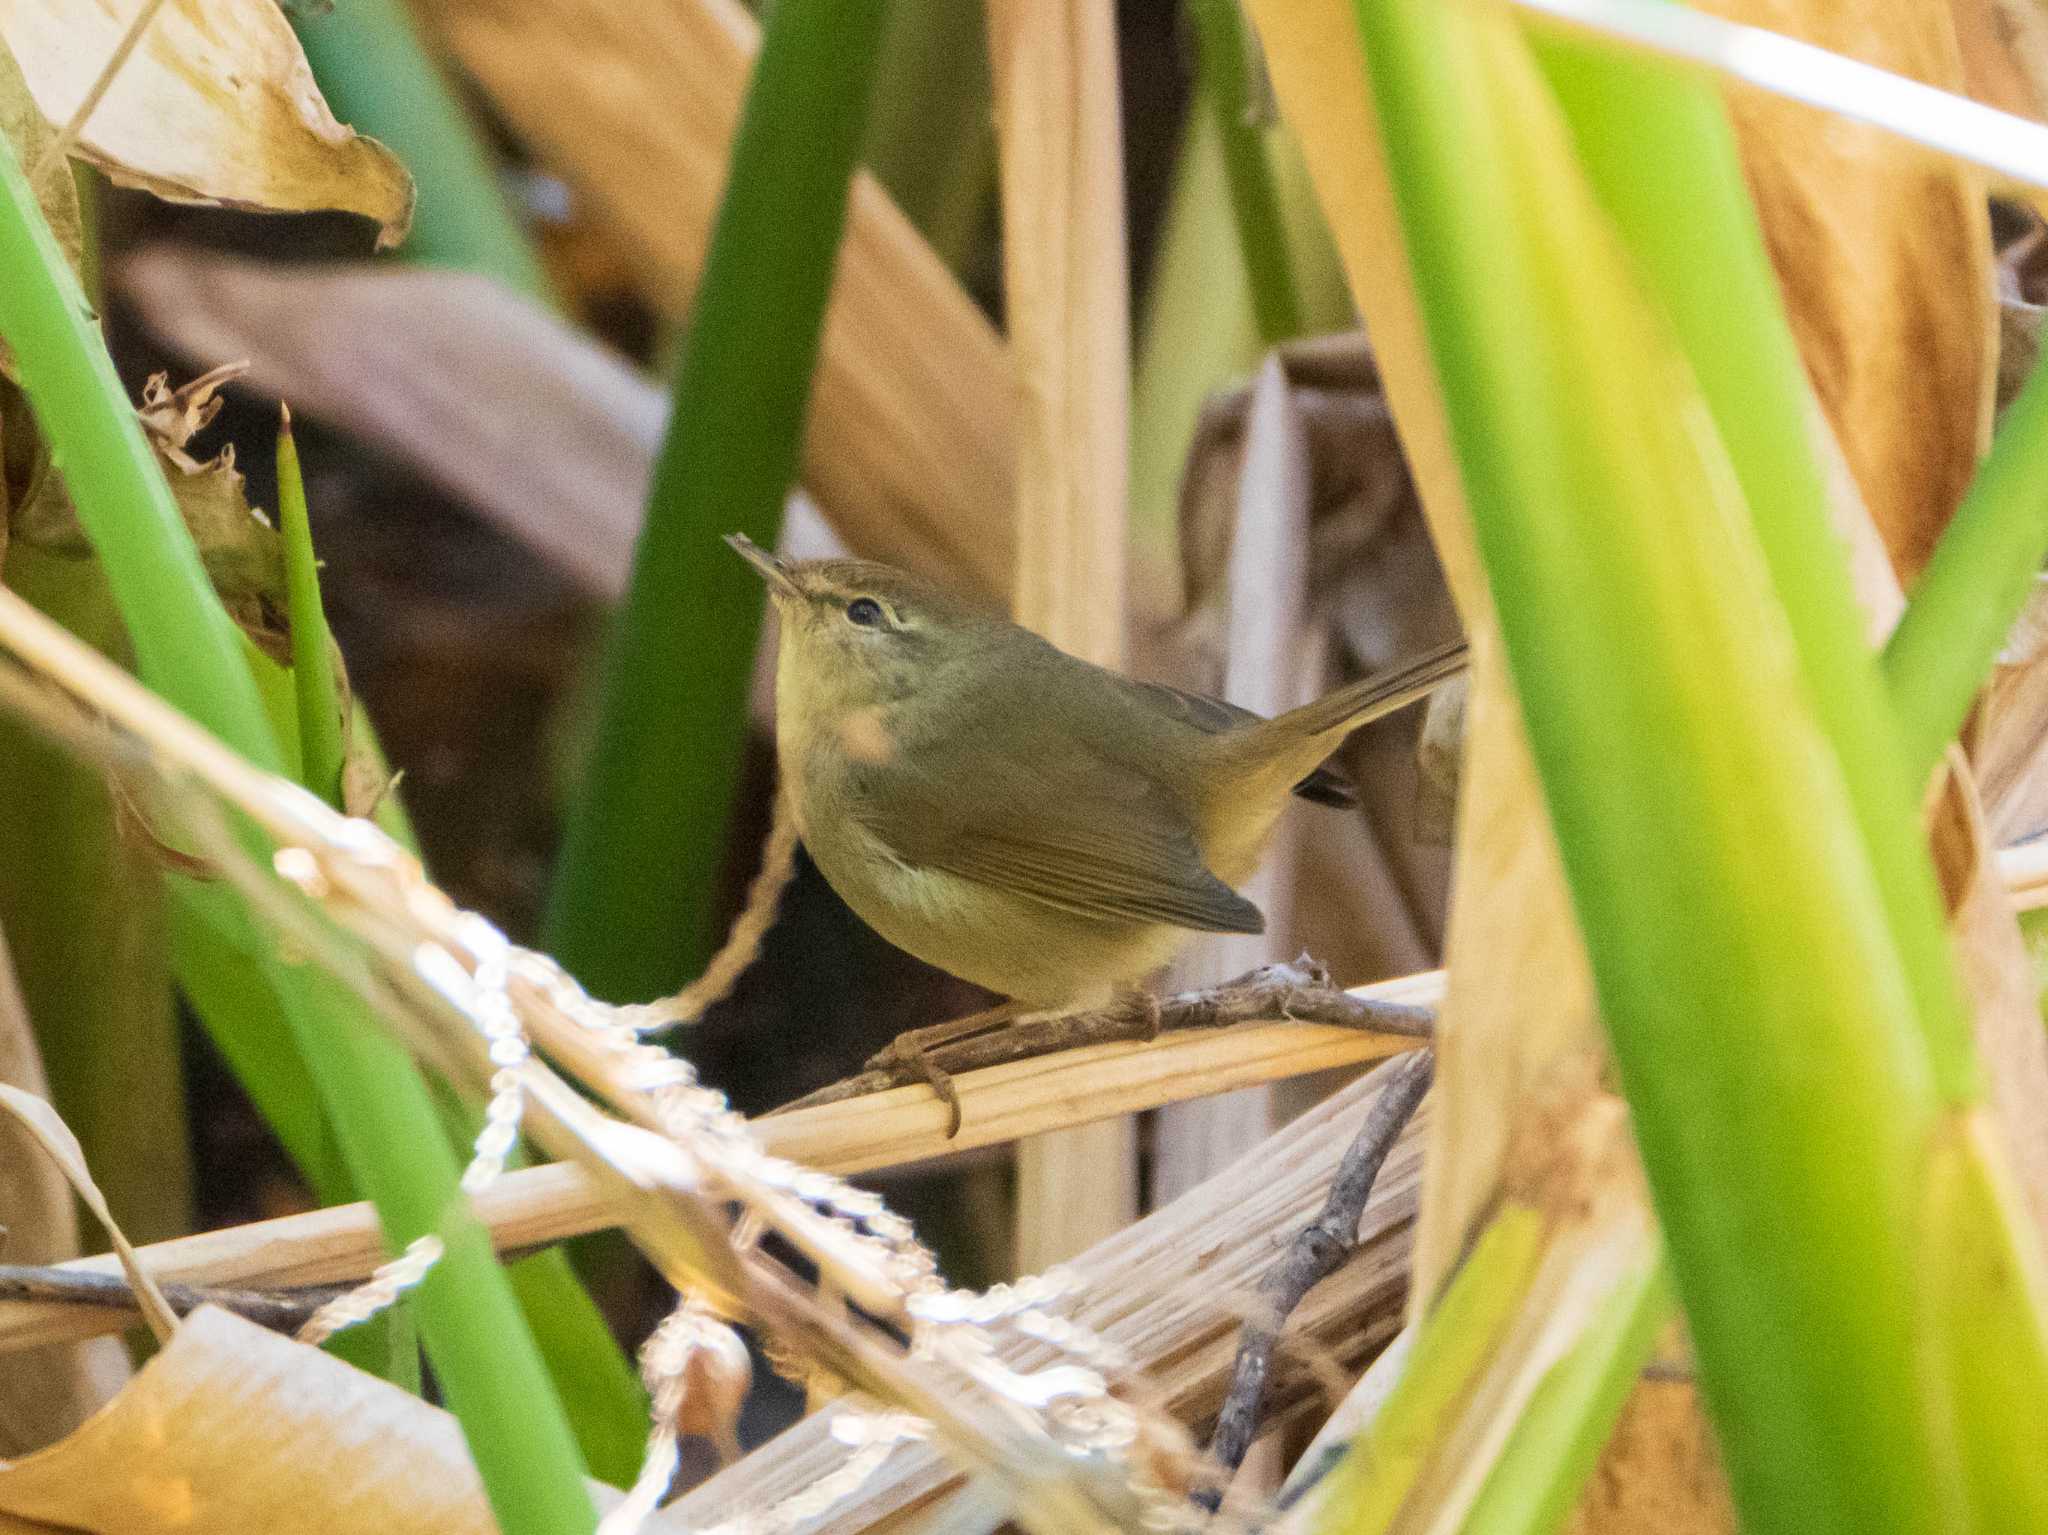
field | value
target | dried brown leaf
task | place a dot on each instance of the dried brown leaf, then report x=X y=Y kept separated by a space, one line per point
x=173 y=417
x=242 y=553
x=216 y=105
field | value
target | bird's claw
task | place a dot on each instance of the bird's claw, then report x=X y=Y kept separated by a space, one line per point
x=906 y=1056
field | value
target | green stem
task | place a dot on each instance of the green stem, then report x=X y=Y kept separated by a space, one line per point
x=1557 y=1439
x=1198 y=331
x=320 y=740
x=1983 y=570
x=187 y=650
x=1224 y=45
x=1659 y=150
x=630 y=911
x=1741 y=854
x=930 y=136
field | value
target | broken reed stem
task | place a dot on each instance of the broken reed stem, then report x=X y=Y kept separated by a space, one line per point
x=1317 y=1252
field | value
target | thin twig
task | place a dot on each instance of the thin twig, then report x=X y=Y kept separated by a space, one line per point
x=74 y=127
x=283 y=1309
x=279 y=1310
x=1299 y=992
x=1315 y=1253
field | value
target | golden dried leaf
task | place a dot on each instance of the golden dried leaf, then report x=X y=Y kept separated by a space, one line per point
x=235 y=1428
x=2005 y=53
x=909 y=448
x=216 y=105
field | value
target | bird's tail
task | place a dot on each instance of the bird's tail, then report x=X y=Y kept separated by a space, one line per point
x=1337 y=714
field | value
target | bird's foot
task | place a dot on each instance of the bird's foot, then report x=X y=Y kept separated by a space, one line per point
x=913 y=1057
x=908 y=1055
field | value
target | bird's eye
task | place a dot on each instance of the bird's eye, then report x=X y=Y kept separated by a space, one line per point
x=864 y=611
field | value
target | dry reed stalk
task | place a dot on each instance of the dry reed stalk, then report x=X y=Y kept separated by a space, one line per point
x=905 y=1125
x=1171 y=1292
x=1065 y=280
x=1273 y=660
x=909 y=445
x=45 y=1394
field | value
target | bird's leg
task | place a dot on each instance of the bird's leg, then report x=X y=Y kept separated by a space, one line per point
x=914 y=1043
x=910 y=1052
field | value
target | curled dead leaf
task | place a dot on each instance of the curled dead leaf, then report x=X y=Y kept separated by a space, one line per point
x=173 y=417
x=216 y=105
x=232 y=1427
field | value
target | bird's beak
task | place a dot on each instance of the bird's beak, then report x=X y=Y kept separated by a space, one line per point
x=773 y=571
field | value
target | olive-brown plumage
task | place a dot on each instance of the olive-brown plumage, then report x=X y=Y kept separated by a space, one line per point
x=1018 y=817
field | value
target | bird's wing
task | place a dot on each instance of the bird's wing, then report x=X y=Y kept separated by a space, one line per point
x=1212 y=716
x=1059 y=826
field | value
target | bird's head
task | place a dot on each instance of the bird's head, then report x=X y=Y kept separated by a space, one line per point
x=856 y=634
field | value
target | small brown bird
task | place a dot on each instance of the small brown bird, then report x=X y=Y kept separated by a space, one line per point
x=1014 y=815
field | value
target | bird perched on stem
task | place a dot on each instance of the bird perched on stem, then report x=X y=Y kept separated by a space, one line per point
x=1018 y=817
